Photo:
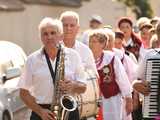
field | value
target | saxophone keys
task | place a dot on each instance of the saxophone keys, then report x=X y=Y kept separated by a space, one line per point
x=55 y=118
x=56 y=112
x=56 y=108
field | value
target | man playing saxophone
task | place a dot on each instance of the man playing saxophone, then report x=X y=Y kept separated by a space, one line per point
x=37 y=83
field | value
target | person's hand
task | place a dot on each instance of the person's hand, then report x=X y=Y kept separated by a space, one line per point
x=72 y=86
x=66 y=85
x=142 y=87
x=46 y=114
x=128 y=105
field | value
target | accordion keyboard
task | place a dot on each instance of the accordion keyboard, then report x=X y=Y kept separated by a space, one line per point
x=151 y=103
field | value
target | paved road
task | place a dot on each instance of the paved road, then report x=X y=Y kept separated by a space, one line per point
x=24 y=114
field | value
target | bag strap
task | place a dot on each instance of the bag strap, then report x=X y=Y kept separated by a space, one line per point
x=53 y=74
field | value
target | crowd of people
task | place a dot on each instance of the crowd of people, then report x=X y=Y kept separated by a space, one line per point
x=114 y=55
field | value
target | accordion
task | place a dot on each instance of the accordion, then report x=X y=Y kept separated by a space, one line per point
x=151 y=103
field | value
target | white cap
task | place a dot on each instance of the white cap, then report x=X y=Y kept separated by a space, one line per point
x=97 y=18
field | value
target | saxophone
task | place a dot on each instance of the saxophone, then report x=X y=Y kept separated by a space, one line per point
x=62 y=104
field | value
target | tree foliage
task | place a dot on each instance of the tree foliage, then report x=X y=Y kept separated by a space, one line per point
x=141 y=8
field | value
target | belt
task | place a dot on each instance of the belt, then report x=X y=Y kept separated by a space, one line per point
x=47 y=106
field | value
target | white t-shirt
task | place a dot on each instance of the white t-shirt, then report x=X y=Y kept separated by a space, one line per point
x=37 y=79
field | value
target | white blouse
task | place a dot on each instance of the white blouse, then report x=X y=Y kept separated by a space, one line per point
x=128 y=63
x=121 y=76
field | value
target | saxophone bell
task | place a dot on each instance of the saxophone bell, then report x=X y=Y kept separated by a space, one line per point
x=68 y=104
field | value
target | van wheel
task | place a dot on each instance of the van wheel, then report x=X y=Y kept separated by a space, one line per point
x=6 y=116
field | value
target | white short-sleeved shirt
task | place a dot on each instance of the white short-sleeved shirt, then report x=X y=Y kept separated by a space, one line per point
x=86 y=56
x=37 y=79
x=85 y=37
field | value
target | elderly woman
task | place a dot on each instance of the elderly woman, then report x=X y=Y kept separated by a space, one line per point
x=145 y=34
x=114 y=83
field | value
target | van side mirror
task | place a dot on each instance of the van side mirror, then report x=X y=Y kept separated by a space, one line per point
x=11 y=73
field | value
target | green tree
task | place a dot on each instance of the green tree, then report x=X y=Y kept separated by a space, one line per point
x=141 y=8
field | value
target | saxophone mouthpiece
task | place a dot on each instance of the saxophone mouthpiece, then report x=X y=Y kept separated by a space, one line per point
x=58 y=45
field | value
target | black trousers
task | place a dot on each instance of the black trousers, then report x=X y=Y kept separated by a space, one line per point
x=74 y=115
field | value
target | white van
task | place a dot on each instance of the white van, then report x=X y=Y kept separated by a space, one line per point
x=12 y=59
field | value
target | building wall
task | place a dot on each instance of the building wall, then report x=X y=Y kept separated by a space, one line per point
x=156 y=7
x=21 y=27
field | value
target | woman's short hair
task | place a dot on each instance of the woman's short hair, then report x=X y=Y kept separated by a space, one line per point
x=47 y=21
x=100 y=34
x=70 y=14
x=141 y=21
x=110 y=33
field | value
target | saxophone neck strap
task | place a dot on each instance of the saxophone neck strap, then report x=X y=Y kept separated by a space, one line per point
x=53 y=74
